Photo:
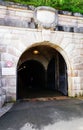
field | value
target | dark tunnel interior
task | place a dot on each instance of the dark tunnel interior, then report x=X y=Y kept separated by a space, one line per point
x=34 y=81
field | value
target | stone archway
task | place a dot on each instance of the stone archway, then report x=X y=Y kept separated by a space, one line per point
x=15 y=44
x=42 y=55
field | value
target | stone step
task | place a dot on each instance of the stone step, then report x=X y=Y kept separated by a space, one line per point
x=2 y=97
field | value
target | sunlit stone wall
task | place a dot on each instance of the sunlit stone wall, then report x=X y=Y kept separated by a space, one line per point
x=23 y=17
x=15 y=40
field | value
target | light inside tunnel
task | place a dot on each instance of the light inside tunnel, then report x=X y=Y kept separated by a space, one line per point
x=35 y=52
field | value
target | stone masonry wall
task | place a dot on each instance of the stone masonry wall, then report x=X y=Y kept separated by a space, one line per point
x=22 y=17
x=15 y=40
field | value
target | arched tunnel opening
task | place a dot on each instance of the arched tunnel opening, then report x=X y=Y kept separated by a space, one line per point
x=31 y=79
x=42 y=72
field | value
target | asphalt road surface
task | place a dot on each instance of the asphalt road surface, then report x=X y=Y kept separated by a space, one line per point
x=44 y=115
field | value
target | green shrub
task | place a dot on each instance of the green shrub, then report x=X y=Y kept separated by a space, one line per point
x=68 y=5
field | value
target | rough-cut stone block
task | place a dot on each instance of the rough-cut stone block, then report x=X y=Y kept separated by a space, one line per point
x=80 y=51
x=77 y=60
x=0 y=71
x=78 y=67
x=0 y=102
x=2 y=64
x=78 y=93
x=13 y=51
x=80 y=73
x=81 y=79
x=75 y=73
x=76 y=80
x=82 y=86
x=0 y=56
x=12 y=82
x=77 y=86
x=3 y=99
x=6 y=57
x=69 y=73
x=0 y=91
x=3 y=91
x=72 y=93
x=11 y=89
x=11 y=96
x=2 y=48
x=0 y=82
x=46 y=35
x=3 y=79
x=79 y=46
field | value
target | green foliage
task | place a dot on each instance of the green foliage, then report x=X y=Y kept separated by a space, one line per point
x=69 y=5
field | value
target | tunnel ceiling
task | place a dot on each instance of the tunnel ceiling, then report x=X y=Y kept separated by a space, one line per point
x=43 y=54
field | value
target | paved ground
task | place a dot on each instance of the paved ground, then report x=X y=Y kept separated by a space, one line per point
x=64 y=114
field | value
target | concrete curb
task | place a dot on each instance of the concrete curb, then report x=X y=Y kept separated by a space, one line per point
x=5 y=108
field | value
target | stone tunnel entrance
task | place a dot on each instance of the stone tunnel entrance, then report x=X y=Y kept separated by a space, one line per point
x=41 y=72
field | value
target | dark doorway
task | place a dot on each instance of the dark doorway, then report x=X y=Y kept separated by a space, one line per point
x=44 y=77
x=31 y=79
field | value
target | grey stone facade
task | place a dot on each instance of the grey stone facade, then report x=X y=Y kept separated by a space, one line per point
x=18 y=33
